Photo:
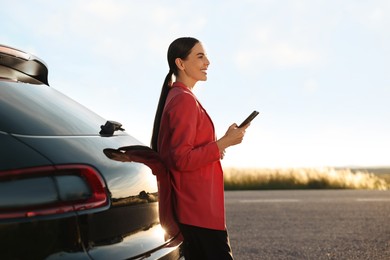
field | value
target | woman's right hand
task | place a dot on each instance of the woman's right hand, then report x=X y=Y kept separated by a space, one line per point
x=233 y=136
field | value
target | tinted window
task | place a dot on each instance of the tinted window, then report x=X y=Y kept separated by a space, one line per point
x=41 y=110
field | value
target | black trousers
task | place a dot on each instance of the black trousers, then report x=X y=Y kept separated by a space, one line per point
x=205 y=244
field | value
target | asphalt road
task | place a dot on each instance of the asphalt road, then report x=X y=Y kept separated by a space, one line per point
x=309 y=224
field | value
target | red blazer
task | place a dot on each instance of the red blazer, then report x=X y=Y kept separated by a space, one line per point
x=187 y=145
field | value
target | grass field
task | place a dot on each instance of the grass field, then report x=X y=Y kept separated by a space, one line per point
x=307 y=178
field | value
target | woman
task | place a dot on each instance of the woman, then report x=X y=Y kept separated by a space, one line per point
x=184 y=136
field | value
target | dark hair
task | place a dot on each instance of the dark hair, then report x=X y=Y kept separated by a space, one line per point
x=179 y=48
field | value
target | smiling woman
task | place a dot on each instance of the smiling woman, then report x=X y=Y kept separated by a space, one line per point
x=184 y=136
x=194 y=66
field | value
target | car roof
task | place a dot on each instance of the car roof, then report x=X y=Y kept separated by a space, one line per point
x=17 y=65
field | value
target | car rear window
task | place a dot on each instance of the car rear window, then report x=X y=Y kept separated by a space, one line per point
x=41 y=110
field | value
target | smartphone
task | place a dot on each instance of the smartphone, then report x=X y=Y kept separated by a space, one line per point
x=249 y=118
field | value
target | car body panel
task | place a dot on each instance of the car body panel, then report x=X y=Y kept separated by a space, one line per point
x=133 y=214
x=40 y=237
x=15 y=154
x=123 y=180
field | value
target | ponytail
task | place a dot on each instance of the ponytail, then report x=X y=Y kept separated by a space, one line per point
x=160 y=108
x=179 y=48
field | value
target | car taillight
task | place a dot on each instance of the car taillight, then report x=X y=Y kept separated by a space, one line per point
x=51 y=190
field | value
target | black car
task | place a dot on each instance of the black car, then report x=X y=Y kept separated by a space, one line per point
x=61 y=195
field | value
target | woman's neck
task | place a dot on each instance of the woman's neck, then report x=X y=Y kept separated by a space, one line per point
x=189 y=83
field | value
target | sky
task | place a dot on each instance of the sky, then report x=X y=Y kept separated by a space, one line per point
x=316 y=70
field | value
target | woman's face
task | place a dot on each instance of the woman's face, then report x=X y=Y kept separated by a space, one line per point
x=194 y=67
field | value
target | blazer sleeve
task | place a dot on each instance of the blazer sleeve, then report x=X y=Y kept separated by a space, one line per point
x=183 y=115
